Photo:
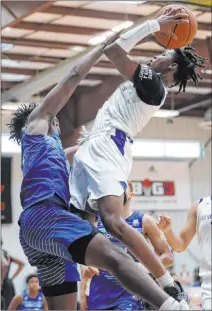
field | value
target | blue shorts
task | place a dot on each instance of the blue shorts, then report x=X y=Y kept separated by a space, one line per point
x=128 y=303
x=46 y=233
x=125 y=302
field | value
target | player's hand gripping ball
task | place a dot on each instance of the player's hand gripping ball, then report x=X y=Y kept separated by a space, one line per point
x=178 y=26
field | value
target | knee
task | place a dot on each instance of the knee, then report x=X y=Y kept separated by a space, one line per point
x=114 y=257
x=115 y=225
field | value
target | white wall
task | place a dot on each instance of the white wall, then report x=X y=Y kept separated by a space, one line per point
x=10 y=232
x=186 y=129
x=200 y=176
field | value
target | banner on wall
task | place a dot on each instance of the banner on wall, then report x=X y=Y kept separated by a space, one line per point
x=6 y=208
x=206 y=3
x=200 y=2
x=166 y=187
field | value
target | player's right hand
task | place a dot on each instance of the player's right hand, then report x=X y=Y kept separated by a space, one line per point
x=89 y=272
x=170 y=19
x=164 y=222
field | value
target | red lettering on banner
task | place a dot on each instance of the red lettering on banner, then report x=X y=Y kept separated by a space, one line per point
x=168 y=188
x=2 y=203
x=153 y=188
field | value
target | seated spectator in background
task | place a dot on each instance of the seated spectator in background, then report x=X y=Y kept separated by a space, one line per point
x=197 y=279
x=173 y=274
x=185 y=277
x=30 y=299
x=4 y=269
x=8 y=290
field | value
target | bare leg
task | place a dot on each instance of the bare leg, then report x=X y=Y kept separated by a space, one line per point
x=62 y=302
x=102 y=254
x=111 y=208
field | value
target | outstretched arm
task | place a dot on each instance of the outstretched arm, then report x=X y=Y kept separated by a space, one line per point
x=181 y=241
x=117 y=51
x=59 y=95
x=158 y=240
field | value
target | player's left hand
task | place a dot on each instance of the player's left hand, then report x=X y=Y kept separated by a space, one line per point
x=164 y=222
x=89 y=272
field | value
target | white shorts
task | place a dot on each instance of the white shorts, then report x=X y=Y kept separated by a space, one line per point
x=206 y=299
x=100 y=168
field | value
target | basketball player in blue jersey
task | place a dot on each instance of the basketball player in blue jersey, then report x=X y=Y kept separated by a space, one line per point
x=31 y=299
x=106 y=293
x=50 y=235
x=102 y=164
x=199 y=221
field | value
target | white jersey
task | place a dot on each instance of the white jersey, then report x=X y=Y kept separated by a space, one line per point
x=204 y=224
x=125 y=111
x=102 y=165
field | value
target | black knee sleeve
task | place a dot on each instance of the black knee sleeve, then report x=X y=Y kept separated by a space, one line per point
x=77 y=249
x=60 y=289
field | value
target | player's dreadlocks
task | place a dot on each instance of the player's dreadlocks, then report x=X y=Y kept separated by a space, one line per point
x=188 y=62
x=19 y=120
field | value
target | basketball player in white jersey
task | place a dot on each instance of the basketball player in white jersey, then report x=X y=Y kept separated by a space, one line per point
x=104 y=292
x=199 y=220
x=103 y=162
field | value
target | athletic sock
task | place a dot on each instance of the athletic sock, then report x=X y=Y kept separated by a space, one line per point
x=165 y=280
x=169 y=304
x=172 y=304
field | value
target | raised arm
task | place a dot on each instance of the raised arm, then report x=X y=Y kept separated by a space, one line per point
x=179 y=242
x=117 y=51
x=157 y=240
x=59 y=95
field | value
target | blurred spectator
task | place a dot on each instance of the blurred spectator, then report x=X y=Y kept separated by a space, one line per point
x=185 y=277
x=8 y=290
x=197 y=281
x=30 y=299
x=173 y=274
x=4 y=269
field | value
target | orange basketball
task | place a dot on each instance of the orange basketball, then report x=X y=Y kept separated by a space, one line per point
x=185 y=32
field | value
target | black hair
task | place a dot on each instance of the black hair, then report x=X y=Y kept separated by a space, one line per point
x=30 y=277
x=188 y=62
x=19 y=120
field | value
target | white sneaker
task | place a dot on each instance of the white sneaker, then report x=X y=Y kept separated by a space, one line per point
x=171 y=304
x=182 y=305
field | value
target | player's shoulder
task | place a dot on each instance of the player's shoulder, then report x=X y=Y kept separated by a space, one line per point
x=19 y=298
x=148 y=220
x=138 y=213
x=204 y=201
x=194 y=207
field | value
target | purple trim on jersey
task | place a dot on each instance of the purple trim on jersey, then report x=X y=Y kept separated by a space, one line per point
x=124 y=185
x=120 y=139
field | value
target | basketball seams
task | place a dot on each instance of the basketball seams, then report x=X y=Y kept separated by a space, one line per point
x=170 y=40
x=185 y=33
x=189 y=32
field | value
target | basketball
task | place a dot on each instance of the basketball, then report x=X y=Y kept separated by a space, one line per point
x=185 y=32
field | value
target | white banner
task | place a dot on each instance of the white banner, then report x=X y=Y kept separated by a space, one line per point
x=160 y=185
